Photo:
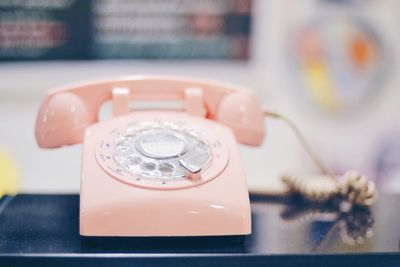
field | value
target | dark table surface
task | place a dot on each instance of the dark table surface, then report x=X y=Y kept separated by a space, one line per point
x=286 y=232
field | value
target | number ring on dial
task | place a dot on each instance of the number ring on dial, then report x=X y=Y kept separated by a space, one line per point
x=149 y=153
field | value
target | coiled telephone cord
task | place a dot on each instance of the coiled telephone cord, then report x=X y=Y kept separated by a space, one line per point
x=353 y=187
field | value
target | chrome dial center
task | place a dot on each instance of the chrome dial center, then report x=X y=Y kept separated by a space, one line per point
x=161 y=144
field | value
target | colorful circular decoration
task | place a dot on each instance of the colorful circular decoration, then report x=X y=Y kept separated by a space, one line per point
x=338 y=61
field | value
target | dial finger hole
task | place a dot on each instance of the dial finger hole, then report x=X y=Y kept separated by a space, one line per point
x=122 y=141
x=123 y=150
x=166 y=167
x=148 y=166
x=134 y=160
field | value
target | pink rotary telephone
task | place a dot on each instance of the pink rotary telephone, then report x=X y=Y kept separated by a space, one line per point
x=157 y=172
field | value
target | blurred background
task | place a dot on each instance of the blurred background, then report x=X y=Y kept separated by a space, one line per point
x=330 y=65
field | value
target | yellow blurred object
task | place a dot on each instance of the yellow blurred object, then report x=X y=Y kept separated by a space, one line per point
x=9 y=175
x=320 y=86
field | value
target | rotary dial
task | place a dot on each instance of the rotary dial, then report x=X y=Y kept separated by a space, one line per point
x=154 y=153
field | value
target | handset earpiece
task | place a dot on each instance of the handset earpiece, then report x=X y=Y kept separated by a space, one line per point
x=62 y=120
x=241 y=111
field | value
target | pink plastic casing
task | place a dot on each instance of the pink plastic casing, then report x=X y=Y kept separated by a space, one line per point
x=109 y=207
x=67 y=112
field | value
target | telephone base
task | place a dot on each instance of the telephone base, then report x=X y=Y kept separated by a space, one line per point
x=209 y=206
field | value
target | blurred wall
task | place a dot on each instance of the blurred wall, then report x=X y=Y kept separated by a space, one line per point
x=343 y=142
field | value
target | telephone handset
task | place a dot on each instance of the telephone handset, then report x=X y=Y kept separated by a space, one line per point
x=157 y=172
x=67 y=112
